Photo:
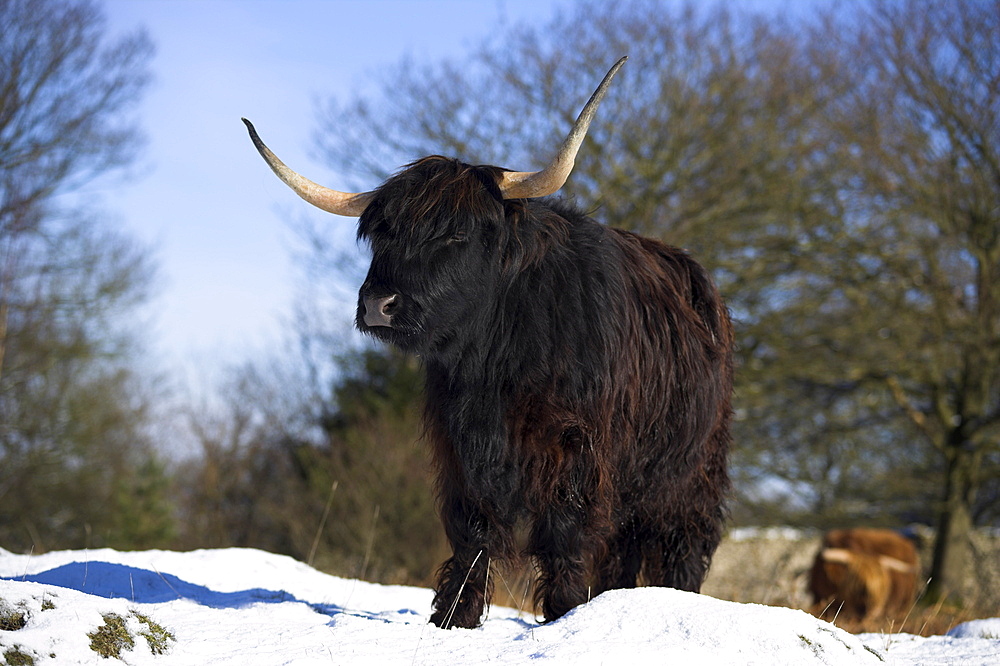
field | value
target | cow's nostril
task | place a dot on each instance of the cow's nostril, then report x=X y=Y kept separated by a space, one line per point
x=379 y=311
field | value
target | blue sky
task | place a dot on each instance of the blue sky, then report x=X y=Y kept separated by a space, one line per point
x=218 y=221
x=216 y=218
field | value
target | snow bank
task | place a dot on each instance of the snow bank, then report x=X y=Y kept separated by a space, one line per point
x=245 y=607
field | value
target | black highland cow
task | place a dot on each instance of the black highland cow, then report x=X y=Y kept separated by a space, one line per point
x=578 y=377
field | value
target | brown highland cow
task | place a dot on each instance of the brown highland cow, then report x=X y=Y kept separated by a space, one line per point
x=863 y=574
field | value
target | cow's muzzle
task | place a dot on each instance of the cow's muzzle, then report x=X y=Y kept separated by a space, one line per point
x=379 y=311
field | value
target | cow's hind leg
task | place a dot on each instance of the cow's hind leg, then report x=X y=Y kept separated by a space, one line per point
x=620 y=565
x=683 y=538
x=557 y=545
x=679 y=550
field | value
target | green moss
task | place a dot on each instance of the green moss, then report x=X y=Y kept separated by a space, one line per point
x=11 y=618
x=156 y=636
x=15 y=656
x=112 y=637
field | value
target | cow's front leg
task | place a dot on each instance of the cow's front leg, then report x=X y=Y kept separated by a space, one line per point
x=463 y=591
x=464 y=587
x=477 y=488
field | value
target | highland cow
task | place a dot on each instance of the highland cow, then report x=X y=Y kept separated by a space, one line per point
x=864 y=574
x=577 y=377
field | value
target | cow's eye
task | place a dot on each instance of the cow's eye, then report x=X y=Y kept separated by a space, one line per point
x=459 y=236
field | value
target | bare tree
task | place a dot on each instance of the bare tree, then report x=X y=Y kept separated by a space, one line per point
x=73 y=411
x=921 y=138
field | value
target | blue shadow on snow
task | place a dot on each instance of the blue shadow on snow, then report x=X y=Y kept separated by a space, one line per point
x=118 y=581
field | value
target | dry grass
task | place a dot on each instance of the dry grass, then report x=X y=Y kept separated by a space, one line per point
x=771 y=566
x=933 y=620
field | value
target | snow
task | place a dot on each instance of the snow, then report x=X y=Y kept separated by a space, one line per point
x=247 y=607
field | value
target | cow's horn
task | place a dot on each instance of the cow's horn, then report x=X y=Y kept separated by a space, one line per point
x=529 y=184
x=332 y=201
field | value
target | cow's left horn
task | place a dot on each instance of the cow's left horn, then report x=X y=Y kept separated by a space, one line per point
x=332 y=201
x=529 y=184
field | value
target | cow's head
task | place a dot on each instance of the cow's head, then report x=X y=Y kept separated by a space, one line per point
x=434 y=229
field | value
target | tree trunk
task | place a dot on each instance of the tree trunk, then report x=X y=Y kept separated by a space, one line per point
x=952 y=545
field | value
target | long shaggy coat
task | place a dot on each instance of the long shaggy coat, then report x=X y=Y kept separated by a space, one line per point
x=578 y=383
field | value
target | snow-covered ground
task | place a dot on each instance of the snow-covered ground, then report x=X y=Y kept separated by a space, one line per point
x=247 y=607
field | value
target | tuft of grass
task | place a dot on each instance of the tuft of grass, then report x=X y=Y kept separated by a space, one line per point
x=112 y=637
x=817 y=649
x=15 y=656
x=12 y=618
x=157 y=638
x=47 y=604
x=874 y=652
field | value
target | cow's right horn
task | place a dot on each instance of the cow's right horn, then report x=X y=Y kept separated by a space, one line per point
x=332 y=201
